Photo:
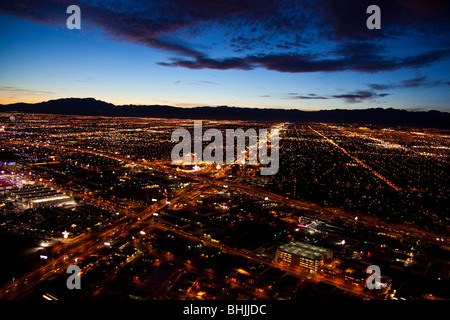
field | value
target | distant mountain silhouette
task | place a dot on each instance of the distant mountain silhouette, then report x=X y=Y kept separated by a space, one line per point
x=378 y=116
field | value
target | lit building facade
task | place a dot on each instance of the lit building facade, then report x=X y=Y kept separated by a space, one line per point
x=302 y=254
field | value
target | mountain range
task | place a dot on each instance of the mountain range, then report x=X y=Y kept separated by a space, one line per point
x=372 y=116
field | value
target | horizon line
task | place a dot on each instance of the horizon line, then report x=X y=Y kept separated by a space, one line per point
x=193 y=106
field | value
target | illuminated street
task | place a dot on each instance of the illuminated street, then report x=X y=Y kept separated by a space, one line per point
x=213 y=232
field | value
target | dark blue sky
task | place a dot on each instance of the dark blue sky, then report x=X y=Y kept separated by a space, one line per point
x=285 y=54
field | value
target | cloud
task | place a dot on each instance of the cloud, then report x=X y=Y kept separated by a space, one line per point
x=87 y=80
x=310 y=96
x=343 y=19
x=420 y=81
x=294 y=36
x=351 y=97
x=360 y=96
x=204 y=82
x=208 y=63
x=18 y=90
x=305 y=63
x=413 y=83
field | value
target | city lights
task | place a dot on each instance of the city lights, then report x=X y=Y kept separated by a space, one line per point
x=345 y=197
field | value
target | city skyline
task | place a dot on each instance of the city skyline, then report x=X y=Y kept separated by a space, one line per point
x=295 y=54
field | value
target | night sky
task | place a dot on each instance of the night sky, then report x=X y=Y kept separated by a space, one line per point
x=308 y=55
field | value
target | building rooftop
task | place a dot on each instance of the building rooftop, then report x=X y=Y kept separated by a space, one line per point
x=305 y=250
